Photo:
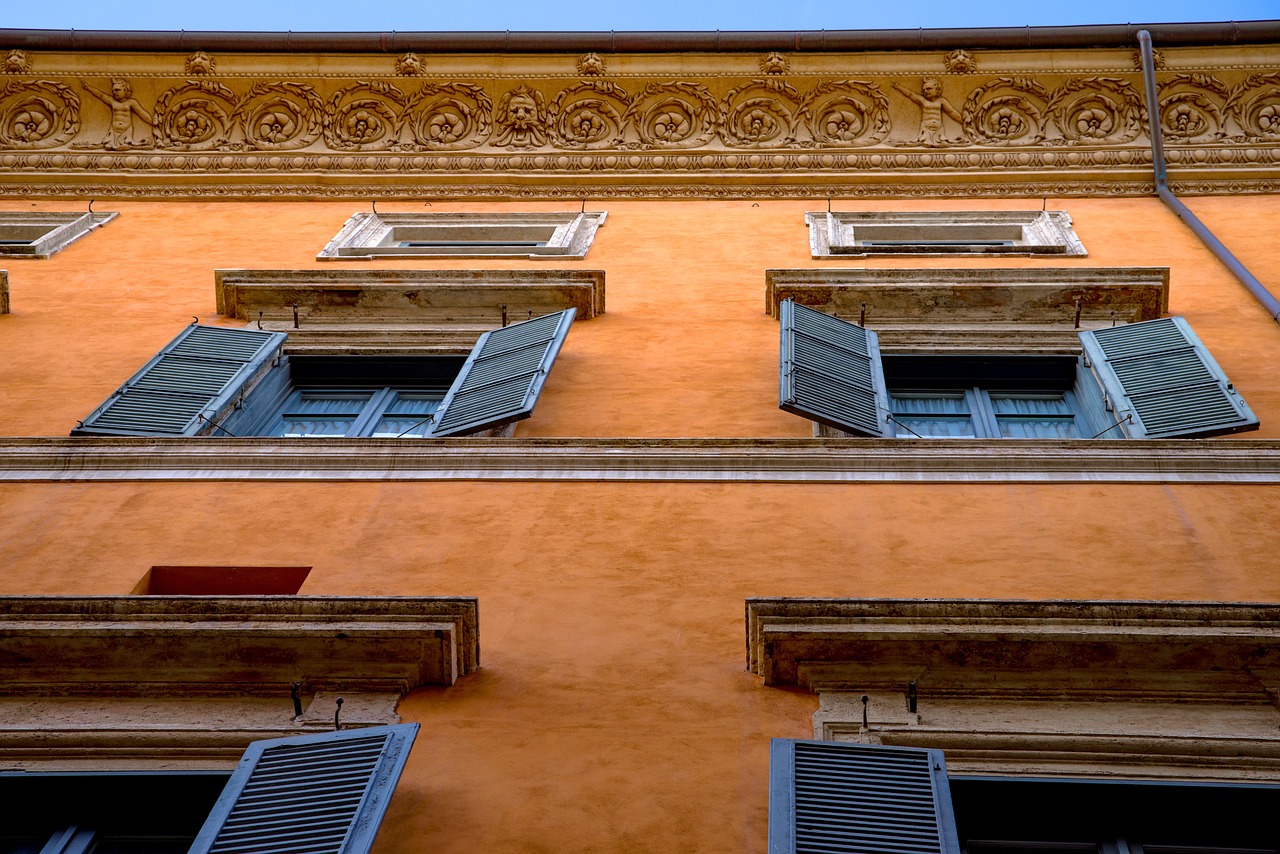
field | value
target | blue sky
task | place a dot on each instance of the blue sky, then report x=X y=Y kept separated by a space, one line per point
x=444 y=15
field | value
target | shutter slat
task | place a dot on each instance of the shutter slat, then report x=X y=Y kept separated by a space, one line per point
x=198 y=372
x=323 y=794
x=503 y=376
x=830 y=371
x=836 y=797
x=1160 y=372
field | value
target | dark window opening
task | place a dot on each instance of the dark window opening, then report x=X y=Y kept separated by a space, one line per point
x=1025 y=816
x=105 y=813
x=222 y=581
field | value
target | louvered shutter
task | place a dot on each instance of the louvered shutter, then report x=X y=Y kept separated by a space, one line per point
x=200 y=372
x=1159 y=371
x=503 y=376
x=320 y=794
x=830 y=371
x=834 y=797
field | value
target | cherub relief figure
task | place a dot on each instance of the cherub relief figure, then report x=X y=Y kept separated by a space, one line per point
x=932 y=106
x=123 y=109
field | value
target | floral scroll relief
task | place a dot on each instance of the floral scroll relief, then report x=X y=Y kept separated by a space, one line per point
x=37 y=114
x=447 y=117
x=588 y=115
x=1255 y=105
x=761 y=114
x=521 y=120
x=1097 y=111
x=1192 y=108
x=364 y=116
x=846 y=113
x=279 y=116
x=1006 y=111
x=673 y=115
x=195 y=116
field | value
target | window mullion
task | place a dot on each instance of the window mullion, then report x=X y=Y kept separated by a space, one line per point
x=373 y=409
x=985 y=425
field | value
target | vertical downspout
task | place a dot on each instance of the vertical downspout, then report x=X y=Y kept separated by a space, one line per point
x=1223 y=254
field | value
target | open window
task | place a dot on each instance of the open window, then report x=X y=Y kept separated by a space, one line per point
x=838 y=234
x=330 y=790
x=1152 y=379
x=240 y=382
x=39 y=234
x=831 y=796
x=464 y=235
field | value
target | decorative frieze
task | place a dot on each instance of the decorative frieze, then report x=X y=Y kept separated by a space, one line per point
x=887 y=127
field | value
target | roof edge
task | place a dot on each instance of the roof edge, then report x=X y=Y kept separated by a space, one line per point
x=1009 y=38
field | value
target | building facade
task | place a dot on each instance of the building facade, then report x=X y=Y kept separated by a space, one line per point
x=333 y=361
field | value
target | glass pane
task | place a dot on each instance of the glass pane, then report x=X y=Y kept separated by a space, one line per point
x=931 y=416
x=1028 y=416
x=322 y=413
x=407 y=416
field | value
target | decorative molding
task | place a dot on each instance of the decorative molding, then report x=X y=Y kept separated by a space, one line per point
x=520 y=234
x=149 y=646
x=738 y=460
x=888 y=129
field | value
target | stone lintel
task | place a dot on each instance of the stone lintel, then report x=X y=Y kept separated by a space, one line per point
x=154 y=646
x=1084 y=650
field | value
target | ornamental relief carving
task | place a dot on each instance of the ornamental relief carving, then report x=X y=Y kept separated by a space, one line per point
x=364 y=117
x=1255 y=105
x=771 y=113
x=37 y=114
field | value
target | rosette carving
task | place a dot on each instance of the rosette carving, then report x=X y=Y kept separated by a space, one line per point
x=1097 y=111
x=1193 y=108
x=194 y=116
x=37 y=114
x=364 y=116
x=1255 y=105
x=447 y=116
x=673 y=115
x=279 y=116
x=761 y=114
x=1006 y=111
x=847 y=113
x=588 y=115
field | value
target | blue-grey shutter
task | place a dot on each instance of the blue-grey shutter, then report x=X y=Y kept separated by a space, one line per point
x=830 y=371
x=321 y=794
x=1161 y=373
x=199 y=373
x=503 y=375
x=828 y=797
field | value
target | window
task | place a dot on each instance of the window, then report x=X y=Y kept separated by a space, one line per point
x=827 y=796
x=35 y=234
x=239 y=382
x=1152 y=379
x=330 y=790
x=835 y=234
x=419 y=235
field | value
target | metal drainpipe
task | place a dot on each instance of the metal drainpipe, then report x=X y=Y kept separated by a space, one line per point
x=1223 y=254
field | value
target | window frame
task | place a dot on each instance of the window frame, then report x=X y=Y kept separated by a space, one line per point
x=372 y=234
x=60 y=230
x=836 y=234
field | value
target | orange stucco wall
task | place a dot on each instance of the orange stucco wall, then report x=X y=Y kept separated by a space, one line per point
x=612 y=711
x=684 y=348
